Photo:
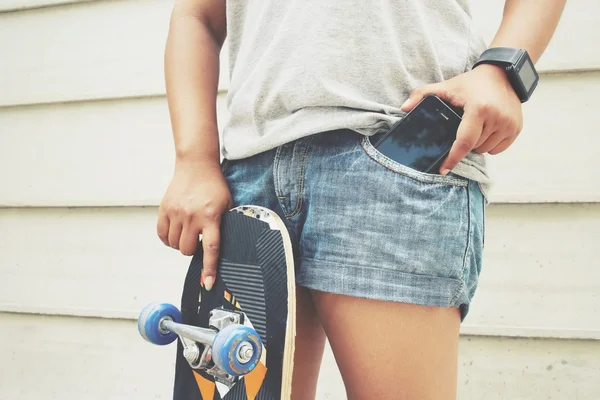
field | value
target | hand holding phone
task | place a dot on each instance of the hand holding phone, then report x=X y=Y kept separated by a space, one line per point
x=422 y=139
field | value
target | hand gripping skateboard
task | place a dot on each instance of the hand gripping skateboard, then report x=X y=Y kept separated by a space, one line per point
x=236 y=342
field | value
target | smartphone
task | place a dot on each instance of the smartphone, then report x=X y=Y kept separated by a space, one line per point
x=422 y=139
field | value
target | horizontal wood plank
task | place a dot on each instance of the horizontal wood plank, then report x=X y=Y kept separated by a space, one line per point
x=88 y=58
x=540 y=275
x=120 y=153
x=93 y=262
x=81 y=358
x=87 y=154
x=540 y=272
x=106 y=359
x=553 y=159
x=20 y=5
x=527 y=369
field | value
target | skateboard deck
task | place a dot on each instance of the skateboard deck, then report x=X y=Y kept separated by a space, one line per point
x=236 y=341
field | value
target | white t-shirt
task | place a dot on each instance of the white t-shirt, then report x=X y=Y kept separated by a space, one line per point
x=300 y=67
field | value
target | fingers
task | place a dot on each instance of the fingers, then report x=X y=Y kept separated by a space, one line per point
x=183 y=234
x=175 y=229
x=488 y=130
x=438 y=89
x=210 y=245
x=492 y=116
x=505 y=133
x=192 y=205
x=162 y=228
x=189 y=239
x=493 y=141
x=503 y=145
x=467 y=136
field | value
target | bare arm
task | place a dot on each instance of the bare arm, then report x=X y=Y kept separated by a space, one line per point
x=529 y=25
x=196 y=34
x=198 y=193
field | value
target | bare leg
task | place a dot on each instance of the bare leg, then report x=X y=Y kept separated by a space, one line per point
x=310 y=343
x=389 y=350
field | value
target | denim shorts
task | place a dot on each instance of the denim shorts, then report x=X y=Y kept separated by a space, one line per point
x=363 y=225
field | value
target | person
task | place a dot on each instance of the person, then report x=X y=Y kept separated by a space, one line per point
x=387 y=259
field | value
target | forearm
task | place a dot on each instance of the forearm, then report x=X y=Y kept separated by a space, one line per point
x=529 y=24
x=192 y=75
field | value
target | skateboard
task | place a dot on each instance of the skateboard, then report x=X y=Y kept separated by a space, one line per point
x=236 y=341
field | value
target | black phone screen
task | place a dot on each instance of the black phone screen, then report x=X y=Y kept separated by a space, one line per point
x=423 y=137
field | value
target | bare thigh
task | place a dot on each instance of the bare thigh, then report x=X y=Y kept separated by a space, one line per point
x=387 y=350
x=310 y=342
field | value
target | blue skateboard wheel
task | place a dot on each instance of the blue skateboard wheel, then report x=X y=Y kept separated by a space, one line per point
x=149 y=322
x=236 y=349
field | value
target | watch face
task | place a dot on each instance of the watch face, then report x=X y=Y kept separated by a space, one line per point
x=528 y=75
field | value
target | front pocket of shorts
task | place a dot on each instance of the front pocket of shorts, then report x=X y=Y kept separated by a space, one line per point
x=423 y=177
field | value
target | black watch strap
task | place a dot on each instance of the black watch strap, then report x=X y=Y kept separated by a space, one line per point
x=500 y=56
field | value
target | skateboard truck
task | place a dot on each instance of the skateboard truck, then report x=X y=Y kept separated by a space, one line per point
x=229 y=349
x=194 y=338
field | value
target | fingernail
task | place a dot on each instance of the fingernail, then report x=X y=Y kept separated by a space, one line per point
x=407 y=102
x=445 y=171
x=208 y=283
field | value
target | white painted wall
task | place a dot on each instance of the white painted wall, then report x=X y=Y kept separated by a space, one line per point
x=86 y=358
x=108 y=263
x=134 y=135
x=86 y=153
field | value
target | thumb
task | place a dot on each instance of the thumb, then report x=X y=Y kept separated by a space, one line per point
x=418 y=94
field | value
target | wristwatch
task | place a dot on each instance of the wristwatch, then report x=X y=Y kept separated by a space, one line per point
x=518 y=68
